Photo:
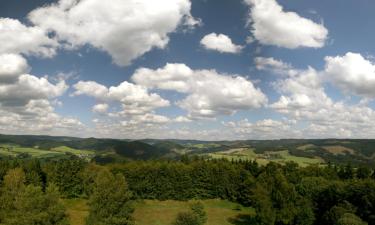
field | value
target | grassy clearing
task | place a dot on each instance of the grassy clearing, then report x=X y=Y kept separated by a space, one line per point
x=302 y=161
x=153 y=212
x=219 y=212
x=77 y=210
x=263 y=159
x=339 y=150
x=65 y=149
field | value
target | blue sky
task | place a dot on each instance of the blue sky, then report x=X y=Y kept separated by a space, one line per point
x=200 y=69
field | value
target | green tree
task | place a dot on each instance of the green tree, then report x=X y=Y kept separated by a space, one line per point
x=363 y=172
x=25 y=205
x=198 y=209
x=350 y=219
x=110 y=203
x=186 y=218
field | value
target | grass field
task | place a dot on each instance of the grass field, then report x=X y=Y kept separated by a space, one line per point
x=263 y=159
x=152 y=212
x=72 y=150
x=77 y=210
x=15 y=150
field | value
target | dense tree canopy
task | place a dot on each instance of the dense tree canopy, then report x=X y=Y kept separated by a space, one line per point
x=280 y=194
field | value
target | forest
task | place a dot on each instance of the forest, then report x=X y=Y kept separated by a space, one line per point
x=32 y=190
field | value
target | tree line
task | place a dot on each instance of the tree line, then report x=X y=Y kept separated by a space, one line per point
x=280 y=194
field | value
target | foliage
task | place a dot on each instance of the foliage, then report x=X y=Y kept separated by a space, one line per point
x=25 y=205
x=186 y=218
x=110 y=202
x=280 y=194
x=198 y=209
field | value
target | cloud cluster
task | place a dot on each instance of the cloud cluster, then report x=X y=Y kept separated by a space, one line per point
x=135 y=99
x=262 y=129
x=304 y=99
x=271 y=25
x=209 y=93
x=221 y=43
x=11 y=66
x=352 y=73
x=17 y=38
x=126 y=29
x=27 y=102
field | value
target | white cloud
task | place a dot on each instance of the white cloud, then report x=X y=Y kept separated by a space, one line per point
x=262 y=129
x=29 y=87
x=209 y=92
x=182 y=119
x=150 y=118
x=126 y=29
x=26 y=101
x=352 y=73
x=303 y=99
x=91 y=88
x=170 y=77
x=100 y=108
x=271 y=25
x=11 y=66
x=135 y=99
x=18 y=38
x=263 y=63
x=221 y=43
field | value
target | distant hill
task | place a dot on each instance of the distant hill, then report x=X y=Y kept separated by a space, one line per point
x=356 y=151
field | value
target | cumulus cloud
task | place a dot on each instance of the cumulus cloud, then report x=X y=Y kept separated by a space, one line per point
x=352 y=73
x=272 y=64
x=304 y=99
x=18 y=38
x=100 y=108
x=135 y=99
x=221 y=43
x=209 y=93
x=18 y=88
x=11 y=66
x=262 y=129
x=26 y=101
x=271 y=25
x=182 y=119
x=126 y=29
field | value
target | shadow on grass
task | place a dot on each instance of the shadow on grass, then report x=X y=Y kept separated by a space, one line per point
x=242 y=219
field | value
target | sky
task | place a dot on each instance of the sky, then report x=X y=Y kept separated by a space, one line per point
x=188 y=69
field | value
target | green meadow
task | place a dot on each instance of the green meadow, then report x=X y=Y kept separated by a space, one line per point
x=153 y=212
x=265 y=158
x=16 y=150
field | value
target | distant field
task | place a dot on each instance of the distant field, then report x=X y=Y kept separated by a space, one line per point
x=263 y=159
x=339 y=150
x=15 y=150
x=202 y=146
x=153 y=212
x=72 y=150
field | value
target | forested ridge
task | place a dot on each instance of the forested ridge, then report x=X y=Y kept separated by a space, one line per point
x=280 y=194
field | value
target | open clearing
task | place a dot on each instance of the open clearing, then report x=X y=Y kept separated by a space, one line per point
x=219 y=212
x=77 y=211
x=153 y=212
x=265 y=158
x=339 y=150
